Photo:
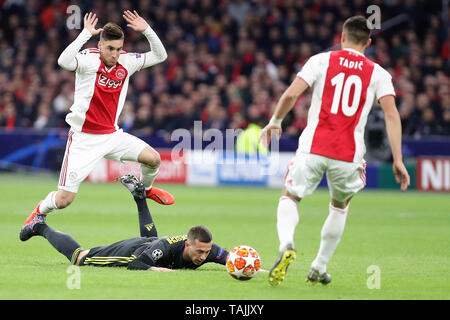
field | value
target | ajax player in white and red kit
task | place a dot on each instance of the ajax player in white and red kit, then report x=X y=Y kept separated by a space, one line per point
x=101 y=81
x=345 y=85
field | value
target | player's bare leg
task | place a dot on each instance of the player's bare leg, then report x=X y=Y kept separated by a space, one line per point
x=287 y=220
x=150 y=161
x=64 y=198
x=330 y=237
x=54 y=200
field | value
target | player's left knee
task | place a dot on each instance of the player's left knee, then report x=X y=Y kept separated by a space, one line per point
x=154 y=161
x=150 y=157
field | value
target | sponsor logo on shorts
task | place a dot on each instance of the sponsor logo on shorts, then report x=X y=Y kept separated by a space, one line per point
x=73 y=176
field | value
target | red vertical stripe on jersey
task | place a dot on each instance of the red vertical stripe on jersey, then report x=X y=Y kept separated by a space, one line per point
x=101 y=115
x=334 y=134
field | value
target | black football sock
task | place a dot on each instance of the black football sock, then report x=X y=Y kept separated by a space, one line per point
x=146 y=225
x=62 y=242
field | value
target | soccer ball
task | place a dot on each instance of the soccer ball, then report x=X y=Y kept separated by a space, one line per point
x=243 y=263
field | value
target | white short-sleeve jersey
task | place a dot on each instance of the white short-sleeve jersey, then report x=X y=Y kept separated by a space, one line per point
x=100 y=91
x=346 y=84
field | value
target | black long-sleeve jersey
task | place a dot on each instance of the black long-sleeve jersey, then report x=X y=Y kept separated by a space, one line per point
x=168 y=253
x=143 y=253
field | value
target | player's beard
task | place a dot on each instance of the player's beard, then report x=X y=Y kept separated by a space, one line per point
x=108 y=62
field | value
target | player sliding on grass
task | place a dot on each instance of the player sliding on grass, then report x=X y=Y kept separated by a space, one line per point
x=346 y=84
x=147 y=252
x=101 y=81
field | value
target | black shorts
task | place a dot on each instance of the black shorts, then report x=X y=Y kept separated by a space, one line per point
x=118 y=254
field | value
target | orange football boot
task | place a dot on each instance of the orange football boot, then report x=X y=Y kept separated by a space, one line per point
x=160 y=196
x=34 y=213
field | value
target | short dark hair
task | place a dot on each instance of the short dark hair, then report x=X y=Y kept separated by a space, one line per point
x=201 y=233
x=357 y=30
x=111 y=31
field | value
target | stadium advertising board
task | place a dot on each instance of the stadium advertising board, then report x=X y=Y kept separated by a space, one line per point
x=201 y=168
x=433 y=174
x=208 y=168
x=169 y=171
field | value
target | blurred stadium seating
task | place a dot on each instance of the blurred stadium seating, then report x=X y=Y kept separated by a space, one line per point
x=228 y=63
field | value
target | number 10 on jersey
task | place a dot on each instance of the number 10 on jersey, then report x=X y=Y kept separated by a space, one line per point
x=342 y=93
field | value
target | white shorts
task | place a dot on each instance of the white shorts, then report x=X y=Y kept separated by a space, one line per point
x=305 y=171
x=85 y=150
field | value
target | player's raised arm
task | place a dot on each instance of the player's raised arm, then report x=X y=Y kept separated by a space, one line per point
x=394 y=131
x=67 y=59
x=158 y=53
x=285 y=104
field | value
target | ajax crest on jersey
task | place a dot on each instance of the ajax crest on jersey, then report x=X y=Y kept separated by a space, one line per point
x=120 y=73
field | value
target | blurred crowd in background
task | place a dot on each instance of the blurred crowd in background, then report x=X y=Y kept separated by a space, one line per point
x=228 y=61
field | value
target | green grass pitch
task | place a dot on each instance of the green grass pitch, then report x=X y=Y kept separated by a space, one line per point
x=405 y=235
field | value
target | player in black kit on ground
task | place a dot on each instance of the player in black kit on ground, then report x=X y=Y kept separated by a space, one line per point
x=147 y=252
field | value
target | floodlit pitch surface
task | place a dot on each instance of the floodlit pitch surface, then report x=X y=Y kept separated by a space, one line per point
x=395 y=246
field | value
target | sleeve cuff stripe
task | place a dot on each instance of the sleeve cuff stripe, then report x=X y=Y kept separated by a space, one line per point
x=304 y=80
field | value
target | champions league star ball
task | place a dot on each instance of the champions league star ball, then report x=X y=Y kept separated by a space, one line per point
x=243 y=263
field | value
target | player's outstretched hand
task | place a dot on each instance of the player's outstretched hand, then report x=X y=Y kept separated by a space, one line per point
x=266 y=134
x=161 y=269
x=401 y=175
x=90 y=20
x=135 y=21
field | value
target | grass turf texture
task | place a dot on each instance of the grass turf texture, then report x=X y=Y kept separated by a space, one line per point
x=404 y=234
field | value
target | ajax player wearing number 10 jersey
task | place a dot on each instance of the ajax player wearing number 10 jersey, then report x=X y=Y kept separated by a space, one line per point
x=345 y=85
x=101 y=81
